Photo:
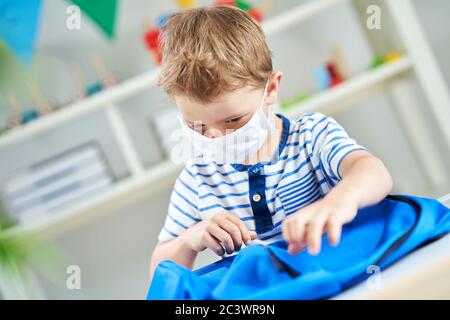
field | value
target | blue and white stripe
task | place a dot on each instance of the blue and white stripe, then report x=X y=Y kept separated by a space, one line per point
x=307 y=168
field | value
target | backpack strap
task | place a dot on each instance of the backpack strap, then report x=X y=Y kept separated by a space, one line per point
x=403 y=238
x=280 y=265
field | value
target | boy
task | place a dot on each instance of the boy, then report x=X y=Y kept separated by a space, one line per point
x=259 y=175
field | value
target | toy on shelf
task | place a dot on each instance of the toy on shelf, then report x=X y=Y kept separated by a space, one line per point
x=376 y=62
x=392 y=56
x=29 y=115
x=151 y=38
x=388 y=58
x=94 y=88
x=288 y=103
x=14 y=118
x=333 y=72
x=43 y=104
x=337 y=59
x=256 y=12
x=162 y=19
x=106 y=78
x=17 y=117
x=81 y=89
x=322 y=77
x=185 y=4
x=335 y=77
x=327 y=76
x=153 y=30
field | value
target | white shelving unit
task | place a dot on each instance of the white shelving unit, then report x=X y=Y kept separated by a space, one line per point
x=335 y=99
x=152 y=180
x=100 y=101
x=327 y=101
x=417 y=61
x=106 y=101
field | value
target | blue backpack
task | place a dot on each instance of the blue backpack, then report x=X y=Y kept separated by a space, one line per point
x=378 y=236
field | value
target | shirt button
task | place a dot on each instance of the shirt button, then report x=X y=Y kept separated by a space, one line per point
x=256 y=197
x=256 y=170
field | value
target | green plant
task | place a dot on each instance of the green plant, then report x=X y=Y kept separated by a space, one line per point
x=19 y=253
x=13 y=249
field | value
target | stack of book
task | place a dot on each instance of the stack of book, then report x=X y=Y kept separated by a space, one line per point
x=57 y=183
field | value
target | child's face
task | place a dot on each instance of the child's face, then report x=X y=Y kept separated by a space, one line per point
x=229 y=112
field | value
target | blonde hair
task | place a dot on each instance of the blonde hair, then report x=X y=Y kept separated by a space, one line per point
x=212 y=50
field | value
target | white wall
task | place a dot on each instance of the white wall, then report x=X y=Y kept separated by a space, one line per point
x=114 y=251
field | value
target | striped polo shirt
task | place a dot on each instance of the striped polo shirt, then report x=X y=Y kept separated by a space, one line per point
x=262 y=195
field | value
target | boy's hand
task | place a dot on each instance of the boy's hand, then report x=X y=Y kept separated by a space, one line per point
x=305 y=227
x=221 y=228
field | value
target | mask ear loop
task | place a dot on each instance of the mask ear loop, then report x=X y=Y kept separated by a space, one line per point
x=265 y=93
x=270 y=114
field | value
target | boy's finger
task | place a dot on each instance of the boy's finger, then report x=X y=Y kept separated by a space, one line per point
x=234 y=231
x=296 y=247
x=285 y=230
x=298 y=227
x=214 y=245
x=242 y=227
x=291 y=231
x=223 y=237
x=314 y=232
x=334 y=229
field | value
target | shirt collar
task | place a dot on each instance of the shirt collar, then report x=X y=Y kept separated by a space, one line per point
x=283 y=141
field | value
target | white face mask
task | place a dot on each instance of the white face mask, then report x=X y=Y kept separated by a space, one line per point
x=237 y=146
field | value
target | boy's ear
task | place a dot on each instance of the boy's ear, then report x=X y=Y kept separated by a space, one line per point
x=274 y=87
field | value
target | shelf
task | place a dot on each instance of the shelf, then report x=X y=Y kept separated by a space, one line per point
x=159 y=177
x=336 y=98
x=140 y=83
x=82 y=107
x=297 y=15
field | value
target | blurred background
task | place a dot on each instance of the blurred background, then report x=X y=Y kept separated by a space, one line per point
x=85 y=167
